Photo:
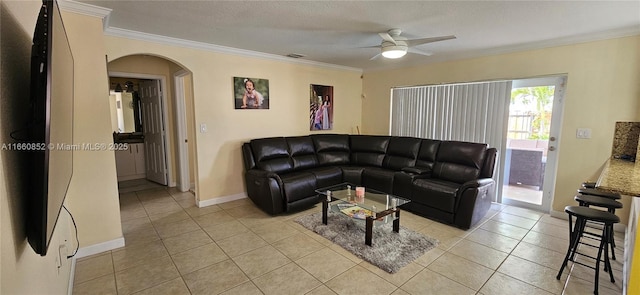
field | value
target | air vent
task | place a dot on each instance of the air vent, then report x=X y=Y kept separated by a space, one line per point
x=294 y=55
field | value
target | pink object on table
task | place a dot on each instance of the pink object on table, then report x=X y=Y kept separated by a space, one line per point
x=359 y=191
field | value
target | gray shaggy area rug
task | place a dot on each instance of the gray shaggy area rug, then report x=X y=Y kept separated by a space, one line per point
x=390 y=251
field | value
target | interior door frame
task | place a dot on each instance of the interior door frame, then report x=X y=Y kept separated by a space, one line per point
x=184 y=183
x=551 y=167
x=165 y=116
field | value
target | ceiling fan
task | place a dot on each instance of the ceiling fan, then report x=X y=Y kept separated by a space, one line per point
x=395 y=46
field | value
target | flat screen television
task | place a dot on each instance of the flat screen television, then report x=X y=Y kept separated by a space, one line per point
x=49 y=142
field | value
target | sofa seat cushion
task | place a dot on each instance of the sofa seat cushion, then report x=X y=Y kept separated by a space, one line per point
x=435 y=193
x=352 y=174
x=298 y=185
x=379 y=179
x=326 y=176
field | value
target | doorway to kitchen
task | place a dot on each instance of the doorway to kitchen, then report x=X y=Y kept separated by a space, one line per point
x=530 y=157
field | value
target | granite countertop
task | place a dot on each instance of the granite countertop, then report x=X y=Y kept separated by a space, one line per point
x=620 y=176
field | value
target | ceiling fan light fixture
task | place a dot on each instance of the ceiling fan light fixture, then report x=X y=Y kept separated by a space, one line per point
x=394 y=51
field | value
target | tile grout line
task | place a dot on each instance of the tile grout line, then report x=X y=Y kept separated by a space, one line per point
x=422 y=268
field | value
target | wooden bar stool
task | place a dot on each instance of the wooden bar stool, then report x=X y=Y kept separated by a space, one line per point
x=611 y=206
x=577 y=232
x=599 y=193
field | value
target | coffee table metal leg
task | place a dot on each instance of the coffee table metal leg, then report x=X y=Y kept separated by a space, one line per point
x=396 y=222
x=369 y=231
x=325 y=206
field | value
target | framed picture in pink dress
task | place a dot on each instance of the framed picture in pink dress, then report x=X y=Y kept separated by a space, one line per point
x=320 y=107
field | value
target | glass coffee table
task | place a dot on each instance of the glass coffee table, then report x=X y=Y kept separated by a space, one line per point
x=367 y=204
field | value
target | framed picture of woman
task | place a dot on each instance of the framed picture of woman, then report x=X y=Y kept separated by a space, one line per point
x=250 y=93
x=320 y=107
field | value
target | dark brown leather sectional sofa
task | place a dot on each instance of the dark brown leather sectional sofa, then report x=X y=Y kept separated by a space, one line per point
x=449 y=181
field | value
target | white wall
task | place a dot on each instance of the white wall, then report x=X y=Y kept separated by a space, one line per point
x=219 y=162
x=602 y=88
x=93 y=192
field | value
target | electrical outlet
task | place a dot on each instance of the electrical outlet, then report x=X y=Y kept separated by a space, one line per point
x=203 y=128
x=583 y=133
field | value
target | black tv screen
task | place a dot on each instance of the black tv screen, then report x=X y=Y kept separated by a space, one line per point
x=50 y=128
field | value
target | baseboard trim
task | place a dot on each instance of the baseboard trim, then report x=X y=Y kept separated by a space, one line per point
x=72 y=276
x=101 y=247
x=221 y=200
x=559 y=214
x=132 y=177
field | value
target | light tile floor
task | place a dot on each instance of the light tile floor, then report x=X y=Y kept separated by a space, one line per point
x=173 y=247
x=523 y=193
x=135 y=185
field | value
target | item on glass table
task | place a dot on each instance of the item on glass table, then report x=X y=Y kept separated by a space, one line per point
x=360 y=191
x=394 y=203
x=357 y=212
x=328 y=196
x=348 y=190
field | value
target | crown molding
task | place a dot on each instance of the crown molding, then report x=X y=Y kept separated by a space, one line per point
x=105 y=13
x=86 y=9
x=164 y=40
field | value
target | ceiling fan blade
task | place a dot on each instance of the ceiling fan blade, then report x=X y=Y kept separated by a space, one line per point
x=421 y=52
x=387 y=37
x=375 y=56
x=415 y=42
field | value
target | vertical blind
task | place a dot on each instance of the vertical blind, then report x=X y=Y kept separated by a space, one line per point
x=475 y=112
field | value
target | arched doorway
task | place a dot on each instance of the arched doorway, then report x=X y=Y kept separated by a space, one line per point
x=172 y=117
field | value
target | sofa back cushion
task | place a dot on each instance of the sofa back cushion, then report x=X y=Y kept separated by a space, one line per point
x=402 y=152
x=489 y=163
x=368 y=150
x=331 y=149
x=247 y=156
x=302 y=151
x=459 y=161
x=271 y=154
x=428 y=152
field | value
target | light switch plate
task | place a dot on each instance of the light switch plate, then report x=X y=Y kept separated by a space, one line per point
x=203 y=128
x=583 y=133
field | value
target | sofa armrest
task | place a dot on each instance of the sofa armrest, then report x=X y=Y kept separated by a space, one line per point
x=417 y=170
x=476 y=183
x=473 y=201
x=259 y=174
x=264 y=188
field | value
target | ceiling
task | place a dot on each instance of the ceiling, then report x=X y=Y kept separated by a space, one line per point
x=336 y=32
